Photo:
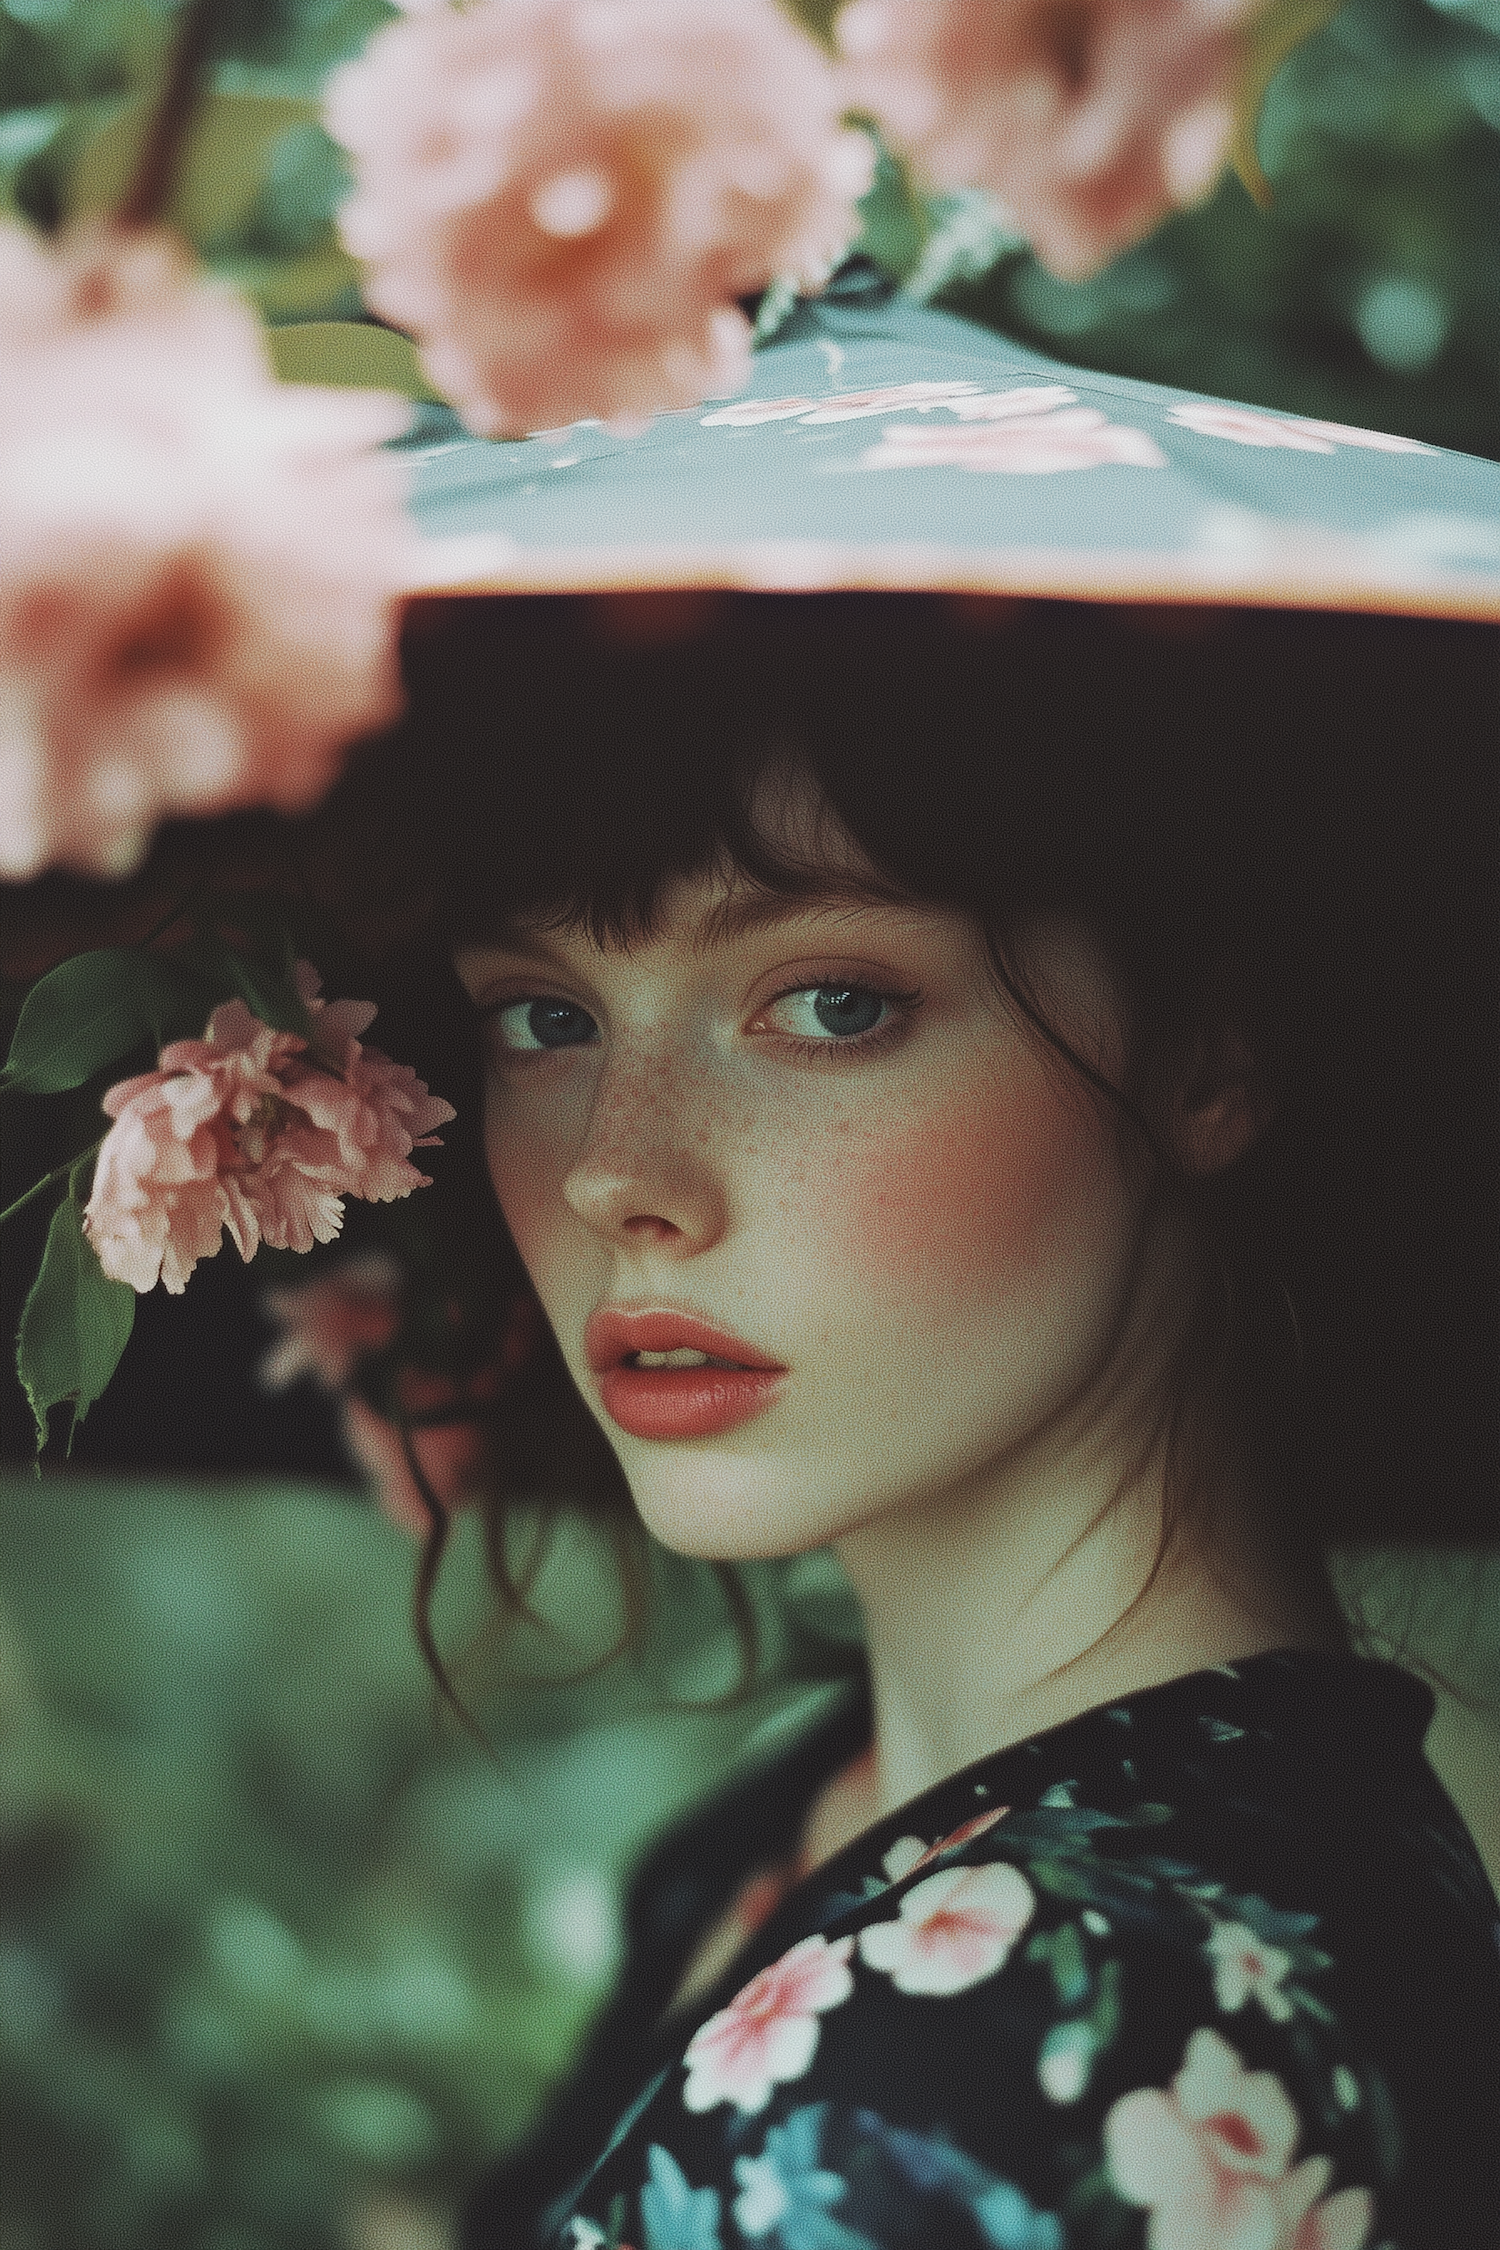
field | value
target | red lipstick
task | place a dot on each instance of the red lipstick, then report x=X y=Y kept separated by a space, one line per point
x=729 y=1384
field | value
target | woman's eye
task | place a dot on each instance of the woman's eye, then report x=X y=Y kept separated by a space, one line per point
x=527 y=1026
x=831 y=1011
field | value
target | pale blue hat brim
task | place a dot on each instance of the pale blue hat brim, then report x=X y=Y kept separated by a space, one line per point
x=834 y=492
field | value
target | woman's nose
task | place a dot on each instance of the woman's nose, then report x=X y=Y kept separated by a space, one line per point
x=642 y=1178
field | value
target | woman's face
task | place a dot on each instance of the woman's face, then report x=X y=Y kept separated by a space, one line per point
x=864 y=1227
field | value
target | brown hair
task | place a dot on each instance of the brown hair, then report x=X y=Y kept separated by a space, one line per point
x=1277 y=822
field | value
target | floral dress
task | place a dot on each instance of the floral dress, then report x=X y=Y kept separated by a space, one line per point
x=1213 y=1967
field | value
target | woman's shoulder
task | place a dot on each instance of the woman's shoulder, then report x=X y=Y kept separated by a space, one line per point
x=1193 y=1954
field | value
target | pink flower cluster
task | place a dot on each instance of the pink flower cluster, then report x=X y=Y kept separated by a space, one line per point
x=562 y=199
x=1090 y=123
x=199 y=565
x=250 y=1130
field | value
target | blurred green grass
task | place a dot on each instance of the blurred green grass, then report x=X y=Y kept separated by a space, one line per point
x=284 y=1960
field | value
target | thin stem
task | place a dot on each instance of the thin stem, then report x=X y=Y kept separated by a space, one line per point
x=58 y=1172
x=151 y=190
x=184 y=906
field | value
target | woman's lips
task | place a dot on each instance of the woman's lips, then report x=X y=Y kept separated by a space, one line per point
x=699 y=1381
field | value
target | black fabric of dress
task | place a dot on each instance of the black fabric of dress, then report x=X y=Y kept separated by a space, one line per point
x=1213 y=1967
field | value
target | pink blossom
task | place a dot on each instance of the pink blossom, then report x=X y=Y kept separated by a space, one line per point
x=562 y=199
x=239 y=1130
x=199 y=565
x=330 y=1323
x=769 y=2031
x=1076 y=437
x=1089 y=127
x=953 y=1929
x=1242 y=425
x=449 y=1455
x=1209 y=2158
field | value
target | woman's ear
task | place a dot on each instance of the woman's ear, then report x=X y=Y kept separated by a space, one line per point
x=1219 y=1106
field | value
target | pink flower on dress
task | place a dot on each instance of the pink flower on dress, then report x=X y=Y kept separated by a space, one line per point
x=237 y=1130
x=562 y=199
x=1076 y=437
x=1209 y=2158
x=954 y=1929
x=1243 y=425
x=769 y=2031
x=1090 y=125
x=199 y=565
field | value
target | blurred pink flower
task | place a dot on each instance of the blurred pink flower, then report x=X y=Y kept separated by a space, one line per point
x=199 y=565
x=341 y=1316
x=1090 y=124
x=562 y=199
x=449 y=1455
x=952 y=1929
x=238 y=1130
x=329 y=1323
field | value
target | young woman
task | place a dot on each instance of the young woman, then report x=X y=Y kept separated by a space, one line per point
x=999 y=1091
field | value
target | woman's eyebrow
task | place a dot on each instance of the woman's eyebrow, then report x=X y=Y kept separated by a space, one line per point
x=510 y=938
x=746 y=912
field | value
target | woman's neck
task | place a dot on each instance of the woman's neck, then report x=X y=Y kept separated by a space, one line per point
x=1006 y=1608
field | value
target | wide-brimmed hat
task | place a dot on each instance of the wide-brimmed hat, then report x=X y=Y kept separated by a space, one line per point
x=882 y=445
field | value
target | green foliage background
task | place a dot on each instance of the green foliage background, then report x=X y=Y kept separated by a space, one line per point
x=281 y=1962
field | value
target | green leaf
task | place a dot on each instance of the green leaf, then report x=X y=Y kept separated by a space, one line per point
x=1069 y=1970
x=1104 y=2016
x=75 y=1324
x=349 y=355
x=85 y=1013
x=1272 y=33
x=274 y=999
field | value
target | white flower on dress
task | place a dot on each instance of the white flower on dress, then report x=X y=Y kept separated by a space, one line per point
x=769 y=2031
x=762 y=2202
x=1065 y=2061
x=1245 y=1967
x=1208 y=2157
x=953 y=1929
